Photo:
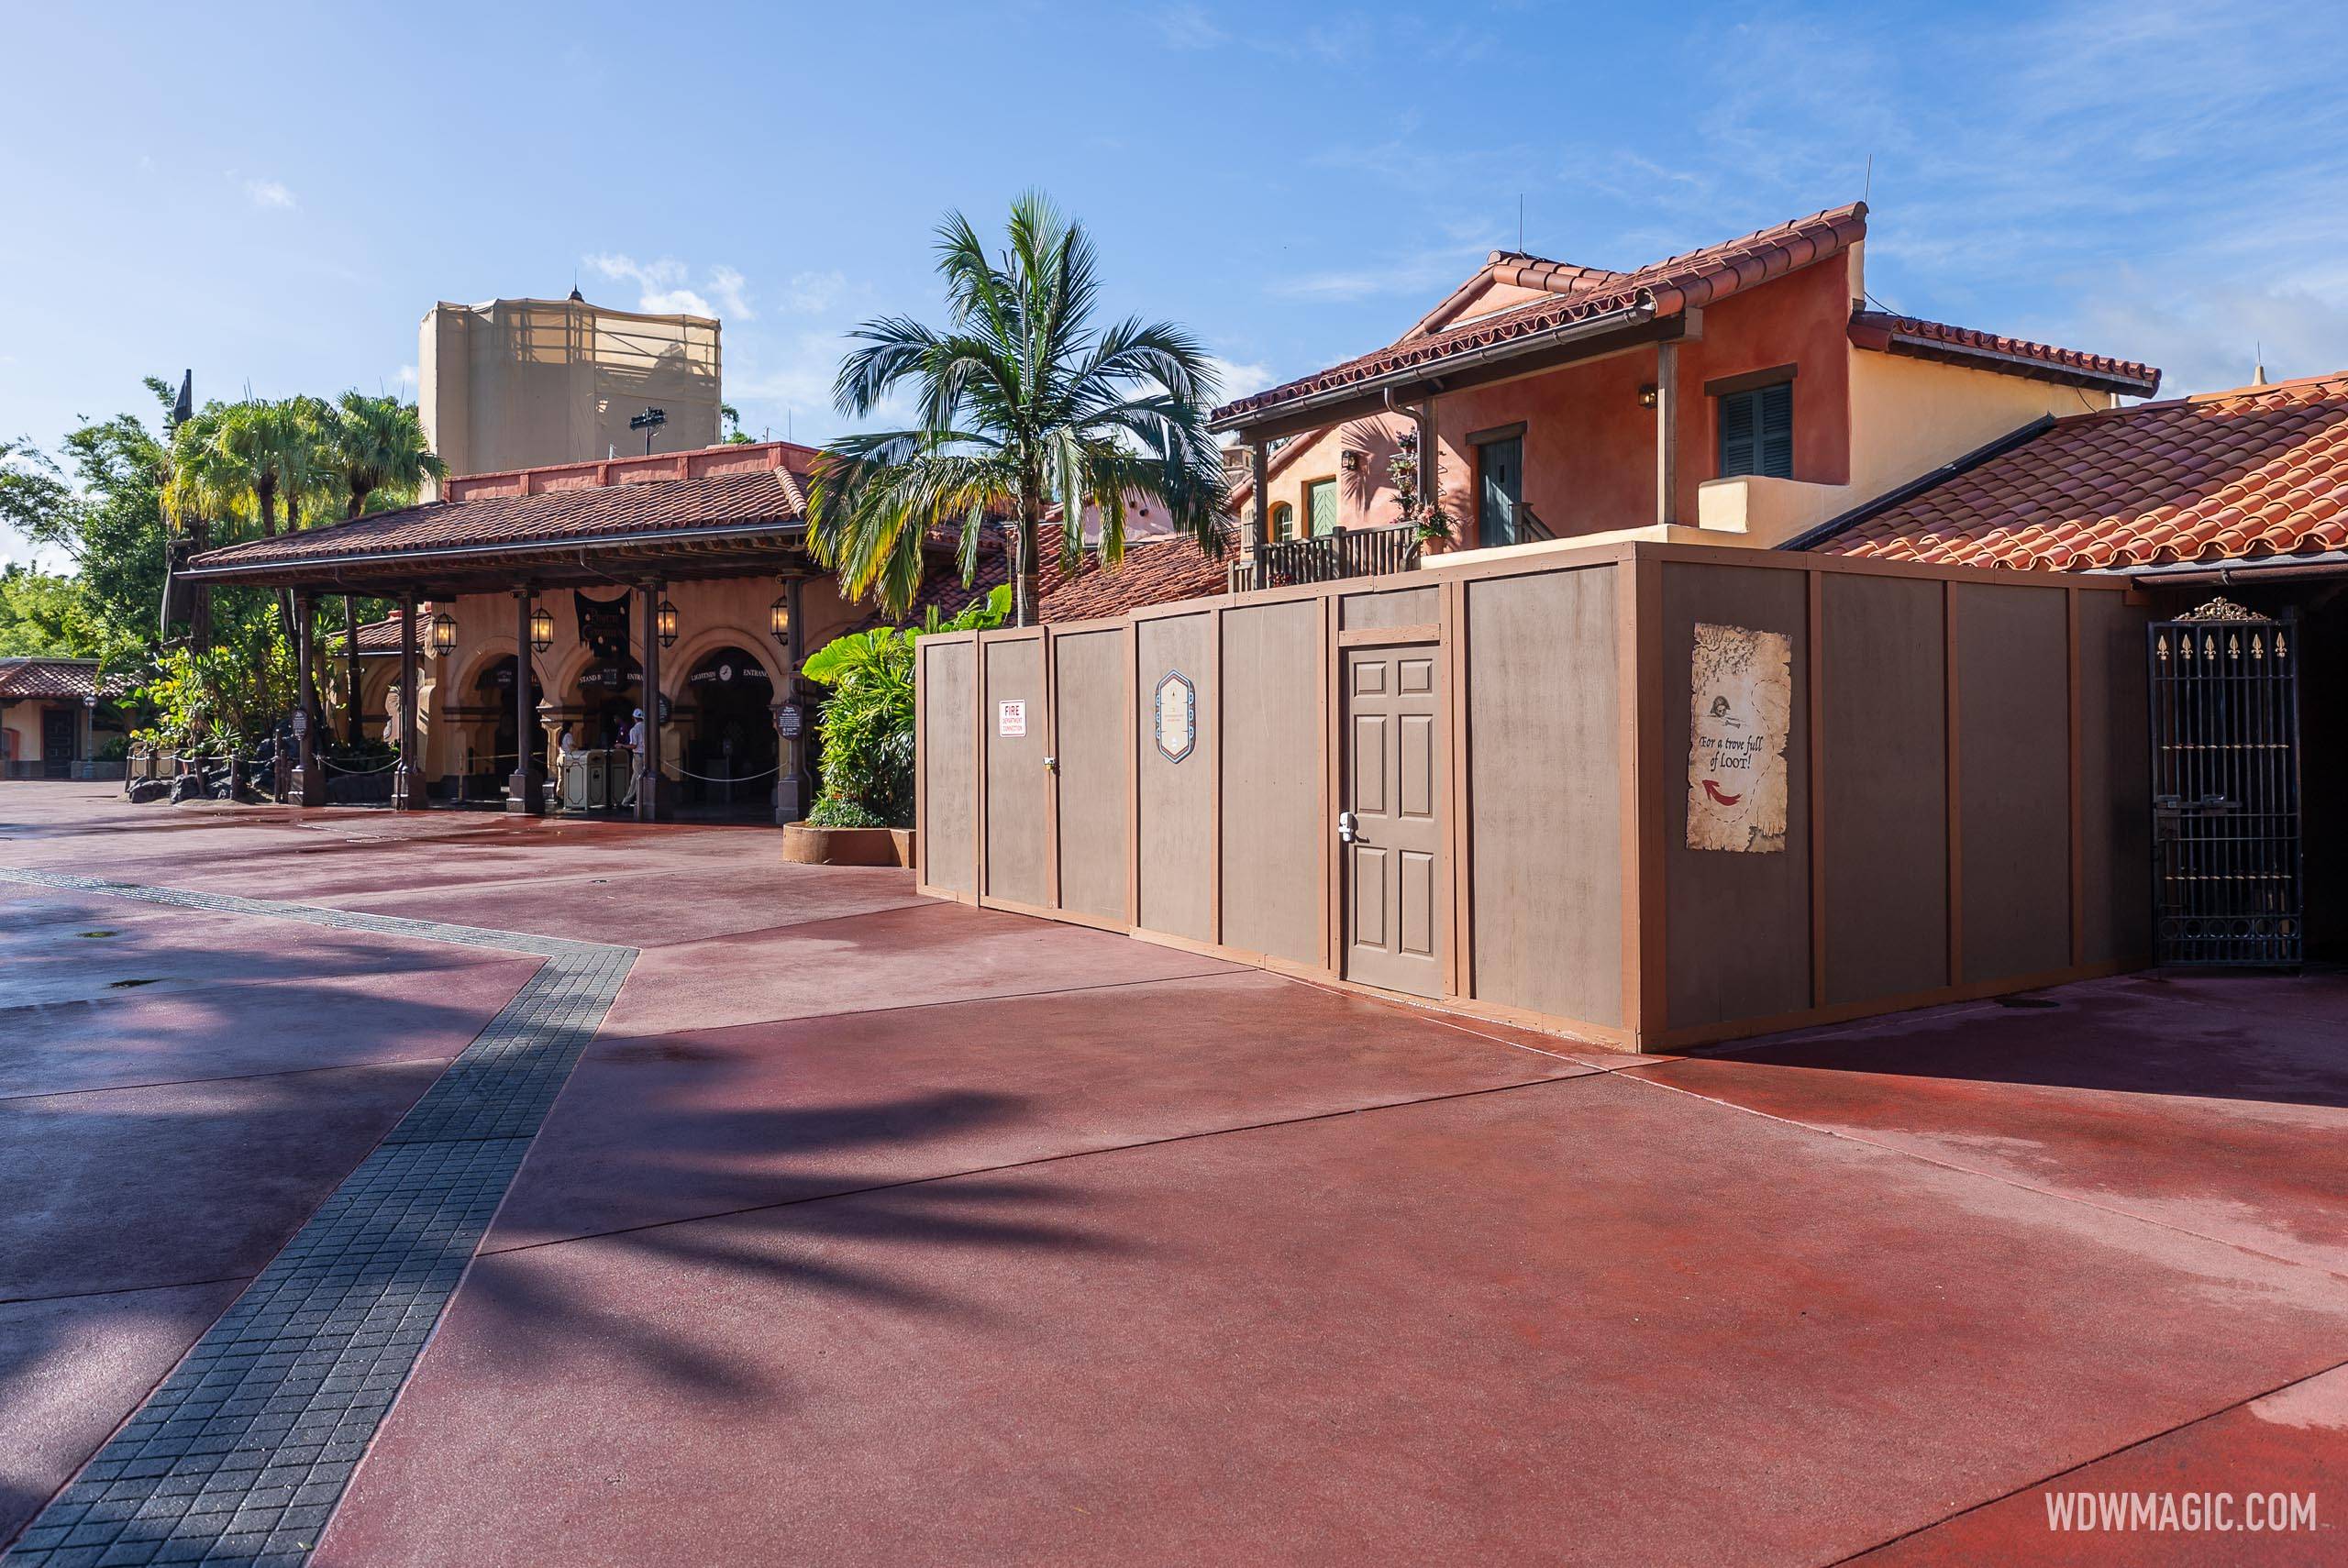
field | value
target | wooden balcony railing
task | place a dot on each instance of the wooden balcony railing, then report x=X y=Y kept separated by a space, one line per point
x=1349 y=552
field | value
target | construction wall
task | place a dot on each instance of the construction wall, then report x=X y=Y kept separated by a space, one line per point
x=523 y=383
x=1962 y=766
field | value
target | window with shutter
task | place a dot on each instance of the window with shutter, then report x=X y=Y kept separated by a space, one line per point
x=1756 y=431
x=1320 y=506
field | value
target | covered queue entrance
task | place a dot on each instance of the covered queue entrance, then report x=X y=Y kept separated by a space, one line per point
x=539 y=613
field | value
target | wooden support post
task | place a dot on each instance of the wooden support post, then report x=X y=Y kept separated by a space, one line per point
x=524 y=797
x=649 y=807
x=1430 y=476
x=407 y=779
x=354 y=721
x=1667 y=432
x=1259 y=507
x=309 y=781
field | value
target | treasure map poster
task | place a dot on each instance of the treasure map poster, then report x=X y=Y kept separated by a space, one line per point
x=1741 y=686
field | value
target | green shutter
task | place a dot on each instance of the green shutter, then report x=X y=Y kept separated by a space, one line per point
x=1321 y=500
x=1775 y=410
x=1756 y=431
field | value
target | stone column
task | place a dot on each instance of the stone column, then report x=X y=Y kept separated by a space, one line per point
x=791 y=791
x=407 y=779
x=523 y=796
x=649 y=806
x=308 y=786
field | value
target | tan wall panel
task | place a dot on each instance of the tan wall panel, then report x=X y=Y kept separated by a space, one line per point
x=1273 y=899
x=1736 y=926
x=2013 y=793
x=1885 y=772
x=1015 y=779
x=947 y=761
x=1177 y=799
x=1544 y=732
x=1091 y=718
x=2115 y=786
x=1402 y=607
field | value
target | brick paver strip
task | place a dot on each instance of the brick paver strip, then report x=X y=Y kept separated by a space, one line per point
x=242 y=1453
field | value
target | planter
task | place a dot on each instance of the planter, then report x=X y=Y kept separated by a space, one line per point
x=804 y=846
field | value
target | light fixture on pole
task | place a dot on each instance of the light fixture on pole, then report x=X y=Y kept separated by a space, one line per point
x=651 y=419
x=665 y=623
x=541 y=628
x=444 y=634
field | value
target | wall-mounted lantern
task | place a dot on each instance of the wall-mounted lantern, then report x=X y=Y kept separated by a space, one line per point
x=779 y=619
x=443 y=627
x=1647 y=395
x=664 y=622
x=541 y=629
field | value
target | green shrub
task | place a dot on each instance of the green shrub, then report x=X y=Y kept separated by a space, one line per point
x=867 y=757
x=836 y=812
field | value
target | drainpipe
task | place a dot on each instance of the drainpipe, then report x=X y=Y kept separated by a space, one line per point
x=1258 y=505
x=1667 y=432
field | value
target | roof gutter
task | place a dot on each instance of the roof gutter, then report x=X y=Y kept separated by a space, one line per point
x=2224 y=574
x=195 y=569
x=1427 y=369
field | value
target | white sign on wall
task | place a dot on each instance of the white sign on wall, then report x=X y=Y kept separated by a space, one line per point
x=1010 y=720
x=1740 y=700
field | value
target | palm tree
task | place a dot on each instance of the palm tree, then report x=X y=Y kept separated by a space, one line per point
x=242 y=461
x=376 y=446
x=1020 y=402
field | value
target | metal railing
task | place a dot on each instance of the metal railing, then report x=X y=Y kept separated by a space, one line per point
x=1328 y=558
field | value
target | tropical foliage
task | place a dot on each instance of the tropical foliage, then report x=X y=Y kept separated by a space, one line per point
x=124 y=492
x=867 y=759
x=1021 y=402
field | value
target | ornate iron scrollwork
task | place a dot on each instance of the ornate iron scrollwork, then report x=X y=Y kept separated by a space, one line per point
x=2222 y=609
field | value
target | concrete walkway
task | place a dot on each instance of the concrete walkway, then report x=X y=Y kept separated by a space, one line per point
x=871 y=1229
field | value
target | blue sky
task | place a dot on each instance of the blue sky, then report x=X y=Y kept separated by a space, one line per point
x=276 y=196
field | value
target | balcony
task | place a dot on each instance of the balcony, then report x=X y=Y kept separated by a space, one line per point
x=1328 y=558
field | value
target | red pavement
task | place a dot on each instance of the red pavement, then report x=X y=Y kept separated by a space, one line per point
x=876 y=1230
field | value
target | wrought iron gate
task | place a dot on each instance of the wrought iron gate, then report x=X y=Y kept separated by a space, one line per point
x=2225 y=733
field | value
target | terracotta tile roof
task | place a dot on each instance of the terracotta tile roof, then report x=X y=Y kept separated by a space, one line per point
x=378 y=636
x=60 y=680
x=1667 y=287
x=1152 y=573
x=2261 y=470
x=1963 y=345
x=651 y=506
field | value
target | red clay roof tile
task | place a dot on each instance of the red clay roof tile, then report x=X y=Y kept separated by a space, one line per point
x=2255 y=472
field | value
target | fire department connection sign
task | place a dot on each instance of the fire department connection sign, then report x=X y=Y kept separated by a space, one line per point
x=1010 y=719
x=1741 y=696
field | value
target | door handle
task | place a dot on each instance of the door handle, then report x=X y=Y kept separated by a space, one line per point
x=1348 y=827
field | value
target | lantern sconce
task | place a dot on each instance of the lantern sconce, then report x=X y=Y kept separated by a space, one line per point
x=779 y=619
x=444 y=634
x=541 y=628
x=664 y=621
x=1647 y=395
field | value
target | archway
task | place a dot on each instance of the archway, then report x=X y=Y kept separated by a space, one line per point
x=494 y=751
x=610 y=691
x=728 y=759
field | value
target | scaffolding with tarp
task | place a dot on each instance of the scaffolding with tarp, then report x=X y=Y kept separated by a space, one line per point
x=525 y=383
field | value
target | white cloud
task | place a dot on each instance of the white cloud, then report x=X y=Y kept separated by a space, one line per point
x=268 y=194
x=812 y=293
x=1241 y=378
x=661 y=290
x=1416 y=273
x=1189 y=27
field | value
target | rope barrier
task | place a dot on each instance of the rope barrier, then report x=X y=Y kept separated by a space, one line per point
x=338 y=768
x=737 y=778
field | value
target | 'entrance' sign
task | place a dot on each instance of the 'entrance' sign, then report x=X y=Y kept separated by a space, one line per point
x=1740 y=700
x=1010 y=719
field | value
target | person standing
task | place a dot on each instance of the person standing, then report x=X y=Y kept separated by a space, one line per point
x=636 y=757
